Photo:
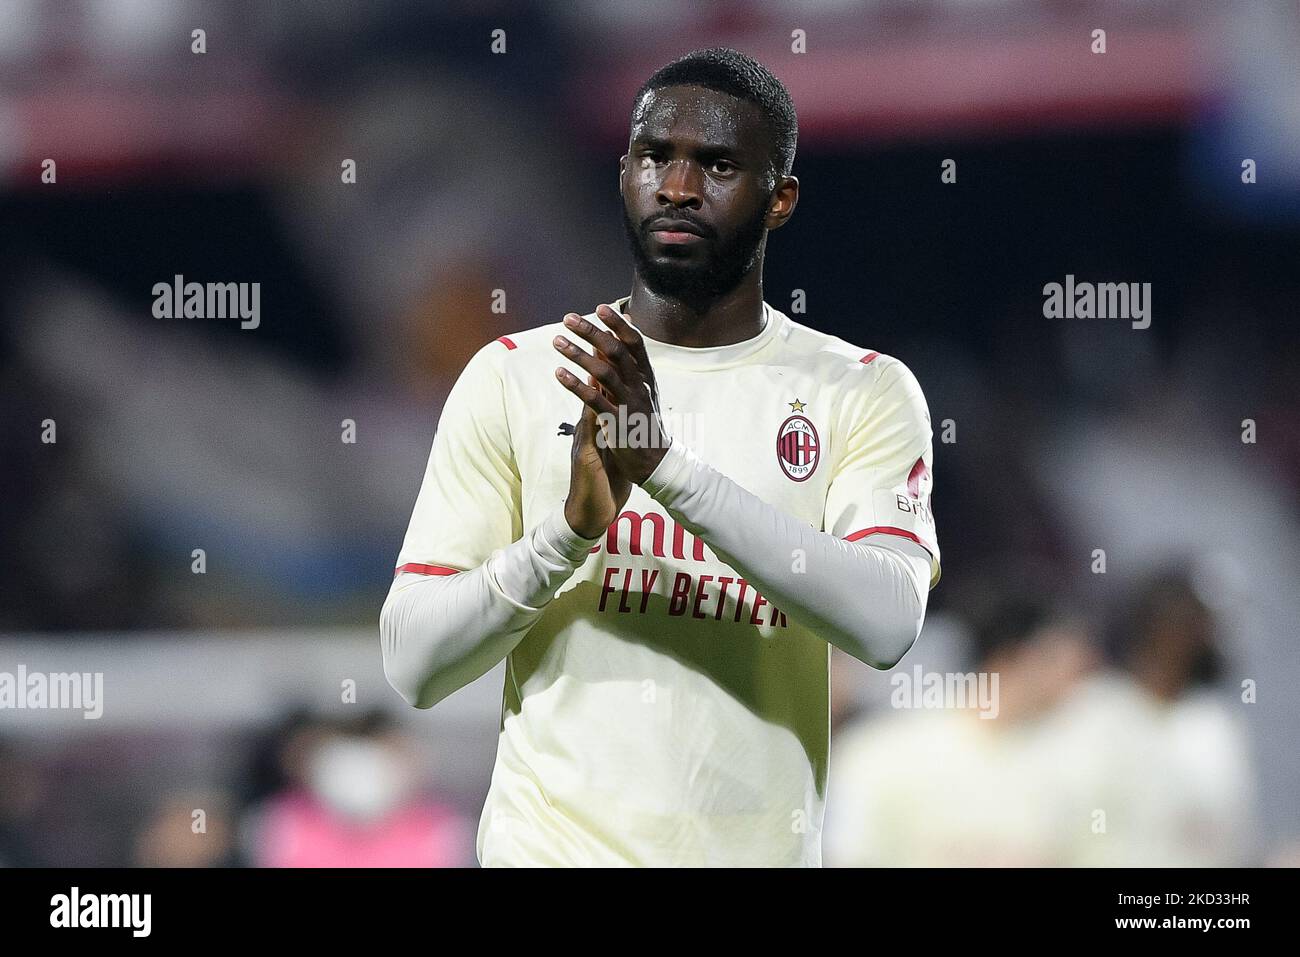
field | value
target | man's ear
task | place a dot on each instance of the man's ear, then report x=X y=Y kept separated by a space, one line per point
x=784 y=199
x=622 y=170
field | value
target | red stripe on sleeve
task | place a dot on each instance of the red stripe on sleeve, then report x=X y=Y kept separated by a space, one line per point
x=419 y=569
x=866 y=360
x=506 y=341
x=887 y=530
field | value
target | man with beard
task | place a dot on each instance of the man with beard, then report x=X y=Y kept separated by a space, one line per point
x=740 y=493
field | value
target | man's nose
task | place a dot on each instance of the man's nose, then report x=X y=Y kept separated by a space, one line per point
x=680 y=186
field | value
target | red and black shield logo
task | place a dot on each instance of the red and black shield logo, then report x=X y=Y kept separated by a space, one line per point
x=797 y=448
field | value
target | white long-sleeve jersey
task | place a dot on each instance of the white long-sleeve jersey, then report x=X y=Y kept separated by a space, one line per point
x=666 y=697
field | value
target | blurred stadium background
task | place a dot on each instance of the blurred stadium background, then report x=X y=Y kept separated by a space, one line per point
x=1121 y=692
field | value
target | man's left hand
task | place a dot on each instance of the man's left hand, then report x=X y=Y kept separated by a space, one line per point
x=627 y=402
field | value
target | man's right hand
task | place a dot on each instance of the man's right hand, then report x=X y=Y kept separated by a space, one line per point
x=597 y=492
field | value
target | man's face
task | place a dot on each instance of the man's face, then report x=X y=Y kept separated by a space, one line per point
x=700 y=158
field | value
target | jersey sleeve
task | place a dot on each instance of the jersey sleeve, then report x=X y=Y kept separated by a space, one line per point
x=469 y=503
x=883 y=479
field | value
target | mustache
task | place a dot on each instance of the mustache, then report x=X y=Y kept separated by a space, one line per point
x=702 y=228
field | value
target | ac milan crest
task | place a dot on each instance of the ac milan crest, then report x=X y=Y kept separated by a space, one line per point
x=797 y=447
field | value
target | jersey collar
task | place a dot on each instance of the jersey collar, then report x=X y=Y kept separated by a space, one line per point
x=709 y=357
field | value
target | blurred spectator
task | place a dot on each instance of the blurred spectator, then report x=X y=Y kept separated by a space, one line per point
x=20 y=795
x=193 y=830
x=966 y=786
x=353 y=799
x=1168 y=760
x=1139 y=766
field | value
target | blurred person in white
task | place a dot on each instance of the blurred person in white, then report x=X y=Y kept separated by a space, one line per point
x=1143 y=765
x=1162 y=741
x=1165 y=469
x=975 y=785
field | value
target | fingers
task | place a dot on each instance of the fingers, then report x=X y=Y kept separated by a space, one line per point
x=632 y=340
x=615 y=352
x=585 y=432
x=591 y=395
x=599 y=425
x=596 y=366
x=588 y=417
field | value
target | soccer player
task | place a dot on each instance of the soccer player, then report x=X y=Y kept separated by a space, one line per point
x=739 y=493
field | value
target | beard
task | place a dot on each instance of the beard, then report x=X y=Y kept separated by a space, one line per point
x=697 y=283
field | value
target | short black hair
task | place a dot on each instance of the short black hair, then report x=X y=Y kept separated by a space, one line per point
x=1007 y=624
x=732 y=72
x=1169 y=597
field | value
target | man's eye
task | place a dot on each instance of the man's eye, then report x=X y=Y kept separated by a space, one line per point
x=722 y=166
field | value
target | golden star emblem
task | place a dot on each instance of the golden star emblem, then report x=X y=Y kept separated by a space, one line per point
x=795 y=406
